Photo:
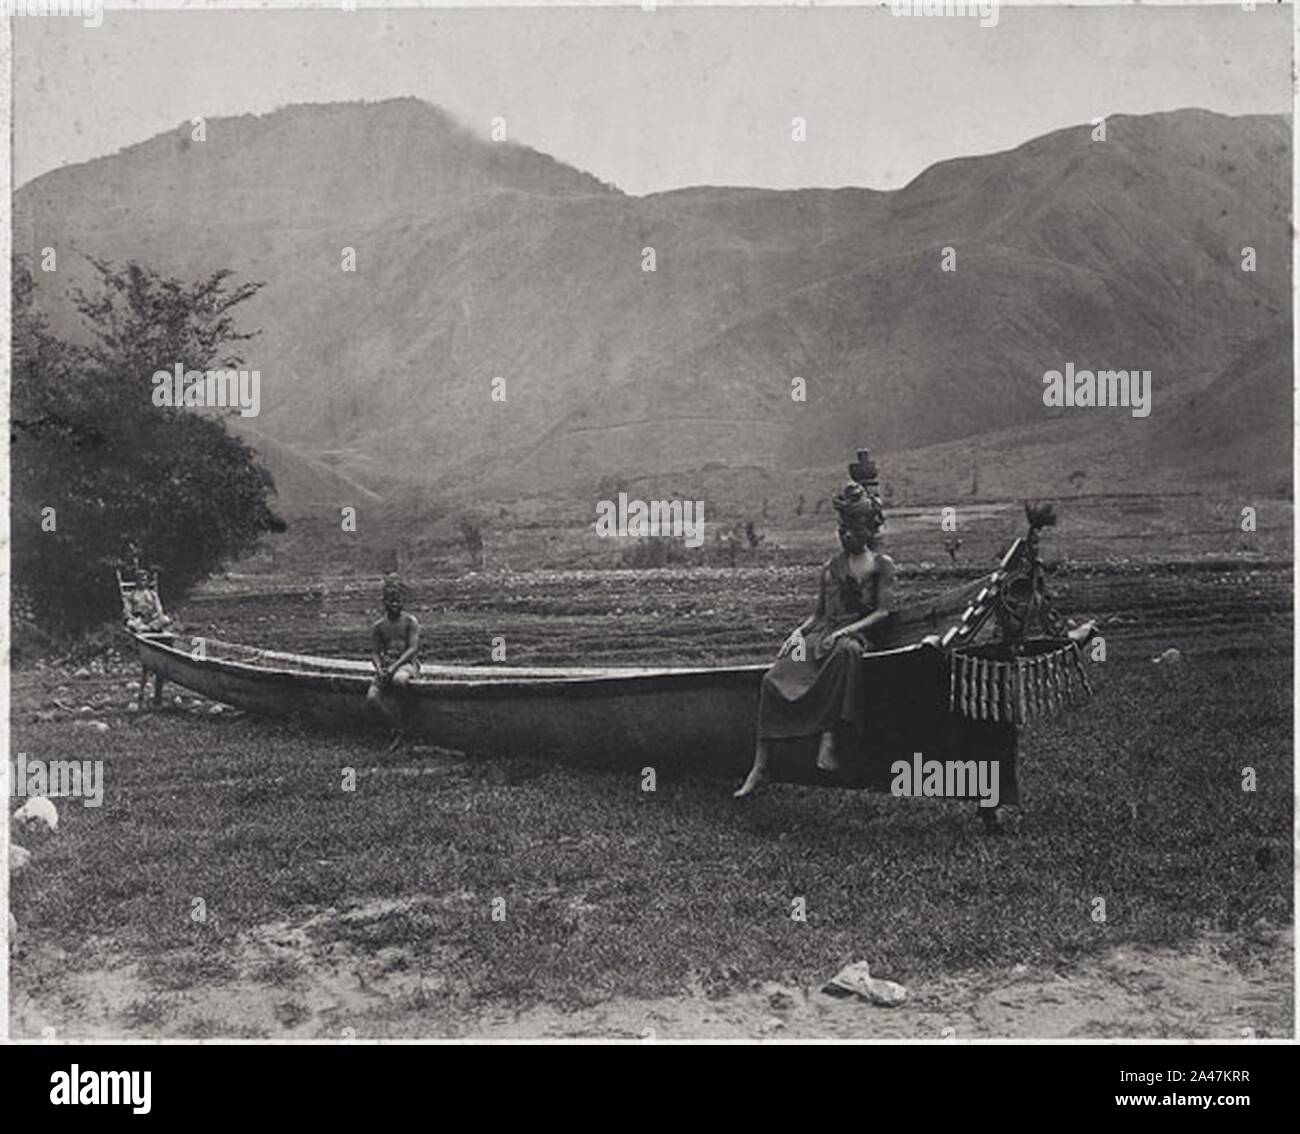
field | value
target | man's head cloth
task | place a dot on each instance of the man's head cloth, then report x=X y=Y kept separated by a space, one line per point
x=394 y=590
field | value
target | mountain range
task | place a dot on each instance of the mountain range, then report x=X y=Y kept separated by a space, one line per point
x=477 y=260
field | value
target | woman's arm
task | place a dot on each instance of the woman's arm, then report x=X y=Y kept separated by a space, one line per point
x=873 y=619
x=804 y=626
x=796 y=635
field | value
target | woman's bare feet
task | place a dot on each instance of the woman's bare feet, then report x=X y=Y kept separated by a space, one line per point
x=826 y=759
x=757 y=774
x=756 y=779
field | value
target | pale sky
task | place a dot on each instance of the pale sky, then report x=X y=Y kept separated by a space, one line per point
x=661 y=99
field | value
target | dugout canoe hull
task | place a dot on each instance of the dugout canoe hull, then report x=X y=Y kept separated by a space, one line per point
x=702 y=719
x=602 y=714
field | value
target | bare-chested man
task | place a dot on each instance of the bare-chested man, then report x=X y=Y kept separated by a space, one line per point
x=395 y=657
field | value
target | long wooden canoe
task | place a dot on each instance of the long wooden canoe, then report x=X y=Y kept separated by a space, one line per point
x=930 y=690
x=701 y=719
x=615 y=713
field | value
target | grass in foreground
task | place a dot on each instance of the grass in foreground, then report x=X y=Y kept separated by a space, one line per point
x=608 y=891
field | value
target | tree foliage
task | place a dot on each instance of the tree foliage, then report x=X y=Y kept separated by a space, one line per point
x=88 y=442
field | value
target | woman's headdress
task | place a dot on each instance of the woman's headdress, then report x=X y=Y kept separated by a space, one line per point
x=858 y=510
x=858 y=503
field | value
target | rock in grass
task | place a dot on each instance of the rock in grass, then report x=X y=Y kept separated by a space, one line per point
x=18 y=857
x=1170 y=655
x=856 y=980
x=37 y=811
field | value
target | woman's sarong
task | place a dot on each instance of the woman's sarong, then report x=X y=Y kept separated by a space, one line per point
x=808 y=695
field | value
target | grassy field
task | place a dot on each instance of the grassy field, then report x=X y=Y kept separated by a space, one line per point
x=1120 y=528
x=372 y=910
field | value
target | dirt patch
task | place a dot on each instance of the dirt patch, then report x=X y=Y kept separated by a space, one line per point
x=1128 y=992
x=295 y=981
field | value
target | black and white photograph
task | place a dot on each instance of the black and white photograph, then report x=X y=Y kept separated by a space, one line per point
x=651 y=522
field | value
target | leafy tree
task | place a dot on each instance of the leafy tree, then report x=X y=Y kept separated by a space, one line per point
x=88 y=442
x=141 y=322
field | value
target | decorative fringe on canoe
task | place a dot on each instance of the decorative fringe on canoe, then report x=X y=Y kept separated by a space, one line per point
x=989 y=683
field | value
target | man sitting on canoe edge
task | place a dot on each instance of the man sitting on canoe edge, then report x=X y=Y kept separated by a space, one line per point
x=395 y=655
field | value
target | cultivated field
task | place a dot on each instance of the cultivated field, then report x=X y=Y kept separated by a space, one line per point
x=332 y=913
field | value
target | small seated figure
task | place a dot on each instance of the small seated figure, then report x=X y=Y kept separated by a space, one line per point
x=144 y=609
x=395 y=656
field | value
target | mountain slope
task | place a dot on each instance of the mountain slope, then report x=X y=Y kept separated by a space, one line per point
x=478 y=260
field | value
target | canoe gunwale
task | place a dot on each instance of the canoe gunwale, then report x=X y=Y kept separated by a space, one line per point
x=478 y=680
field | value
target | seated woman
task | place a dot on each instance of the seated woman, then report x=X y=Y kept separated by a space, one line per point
x=144 y=609
x=815 y=684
